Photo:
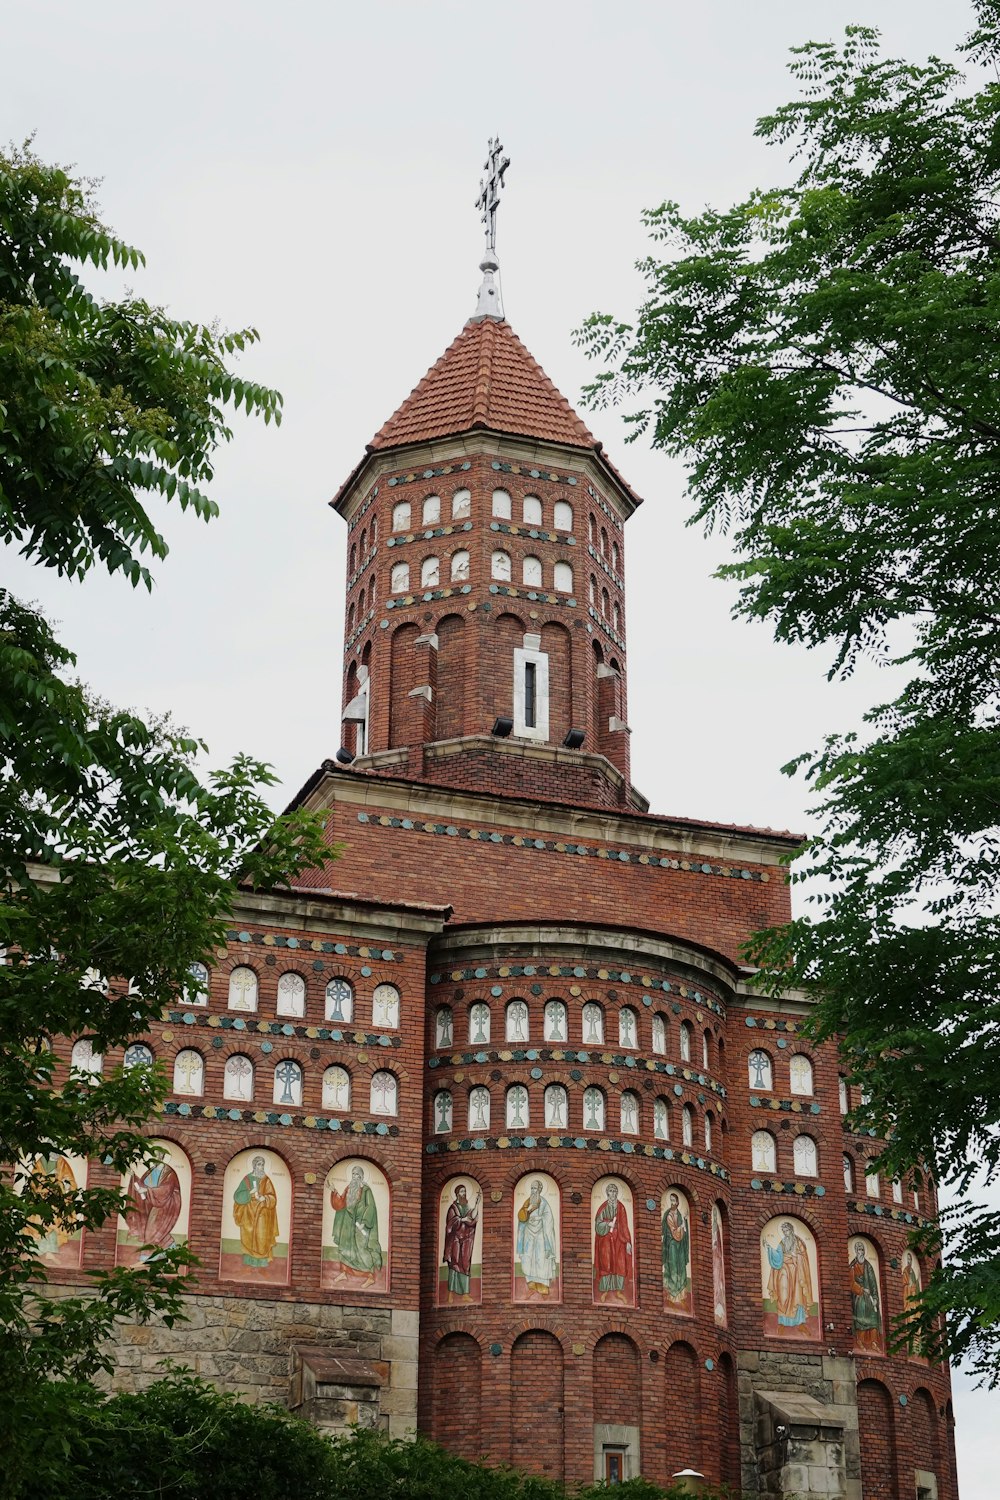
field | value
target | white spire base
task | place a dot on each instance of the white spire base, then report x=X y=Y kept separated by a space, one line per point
x=490 y=304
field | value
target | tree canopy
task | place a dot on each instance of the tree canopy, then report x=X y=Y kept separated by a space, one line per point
x=119 y=859
x=825 y=355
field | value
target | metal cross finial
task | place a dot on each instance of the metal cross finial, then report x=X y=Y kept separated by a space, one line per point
x=489 y=189
x=490 y=304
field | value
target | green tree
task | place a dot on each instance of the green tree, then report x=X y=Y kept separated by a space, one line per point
x=826 y=356
x=118 y=860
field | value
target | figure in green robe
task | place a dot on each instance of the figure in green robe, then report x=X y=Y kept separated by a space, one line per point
x=676 y=1252
x=355 y=1230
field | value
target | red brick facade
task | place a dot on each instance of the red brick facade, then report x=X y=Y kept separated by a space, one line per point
x=480 y=870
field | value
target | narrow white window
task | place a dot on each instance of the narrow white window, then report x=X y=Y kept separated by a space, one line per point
x=432 y=510
x=336 y=1089
x=563 y=578
x=287 y=1082
x=501 y=505
x=459 y=567
x=563 y=516
x=531 y=694
x=687 y=1125
x=242 y=989
x=383 y=1094
x=532 y=510
x=400 y=578
x=531 y=572
x=479 y=1109
x=430 y=573
x=291 y=995
x=189 y=1072
x=500 y=567
x=461 y=505
x=804 y=1156
x=442 y=1111
x=401 y=516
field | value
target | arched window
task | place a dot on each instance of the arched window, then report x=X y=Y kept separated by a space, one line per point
x=432 y=510
x=556 y=1107
x=562 y=578
x=500 y=566
x=237 y=1077
x=661 y=1119
x=629 y=1112
x=593 y=1023
x=659 y=1033
x=685 y=1041
x=845 y=1102
x=872 y=1184
x=616 y=618
x=517 y=1107
x=442 y=1112
x=291 y=995
x=604 y=542
x=242 y=989
x=501 y=505
x=554 y=1024
x=628 y=1034
x=383 y=1095
x=800 y=1074
x=687 y=1125
x=804 y=1156
x=517 y=1021
x=137 y=1055
x=763 y=1152
x=897 y=1190
x=352 y=566
x=461 y=505
x=430 y=573
x=336 y=1089
x=443 y=1027
x=531 y=573
x=196 y=989
x=364 y=542
x=590 y=528
x=708 y=1131
x=562 y=516
x=479 y=1108
x=615 y=561
x=83 y=1058
x=401 y=516
x=759 y=1071
x=371 y=592
x=189 y=1072
x=339 y=1001
x=350 y=618
x=399 y=578
x=592 y=590
x=385 y=1007
x=593 y=1109
x=605 y=603
x=705 y=1049
x=460 y=567
x=479 y=1023
x=374 y=530
x=532 y=511
x=848 y=1174
x=287 y=1082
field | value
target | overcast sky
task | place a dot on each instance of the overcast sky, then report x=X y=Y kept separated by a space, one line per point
x=310 y=169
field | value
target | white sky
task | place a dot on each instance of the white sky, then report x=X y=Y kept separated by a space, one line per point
x=311 y=169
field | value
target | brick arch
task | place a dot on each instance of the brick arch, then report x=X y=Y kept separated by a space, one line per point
x=877 y=1424
x=681 y=1405
x=506 y=636
x=537 y=1401
x=925 y=1432
x=557 y=643
x=729 y=1424
x=456 y=1394
x=617 y=1380
x=451 y=692
x=402 y=678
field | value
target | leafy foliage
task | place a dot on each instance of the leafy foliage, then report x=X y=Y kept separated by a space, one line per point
x=826 y=355
x=118 y=863
x=182 y=1440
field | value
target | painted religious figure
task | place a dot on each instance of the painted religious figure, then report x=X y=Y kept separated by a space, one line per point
x=910 y=1278
x=536 y=1239
x=718 y=1268
x=460 y=1243
x=356 y=1228
x=790 y=1280
x=866 y=1301
x=675 y=1231
x=159 y=1204
x=614 y=1259
x=58 y=1243
x=257 y=1212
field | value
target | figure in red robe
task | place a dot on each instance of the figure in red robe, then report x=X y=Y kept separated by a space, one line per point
x=613 y=1261
x=154 y=1201
x=459 y=1242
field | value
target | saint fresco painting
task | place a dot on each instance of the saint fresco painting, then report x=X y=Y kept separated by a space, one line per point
x=613 y=1218
x=356 y=1227
x=789 y=1280
x=718 y=1268
x=864 y=1285
x=58 y=1244
x=675 y=1239
x=256 y=1219
x=460 y=1243
x=158 y=1190
x=537 y=1230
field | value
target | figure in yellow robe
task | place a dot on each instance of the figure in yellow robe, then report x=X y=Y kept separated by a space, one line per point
x=255 y=1209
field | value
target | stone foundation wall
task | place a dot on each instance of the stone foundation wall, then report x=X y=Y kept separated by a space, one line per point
x=807 y=1444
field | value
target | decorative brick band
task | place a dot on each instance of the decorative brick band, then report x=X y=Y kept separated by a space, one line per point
x=366 y=563
x=798 y=1189
x=314 y=945
x=558 y=846
x=770 y=1024
x=576 y=1143
x=601 y=563
x=399 y=539
x=406 y=601
x=360 y=631
x=612 y=635
x=900 y=1215
x=609 y=1059
x=785 y=1106
x=600 y=500
x=511 y=528
x=436 y=473
x=537 y=596
x=580 y=971
x=276 y=1117
x=504 y=468
x=284 y=1028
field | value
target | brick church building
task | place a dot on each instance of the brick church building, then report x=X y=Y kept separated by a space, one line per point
x=482 y=1130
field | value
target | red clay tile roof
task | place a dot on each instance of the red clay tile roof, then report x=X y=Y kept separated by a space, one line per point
x=486 y=378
